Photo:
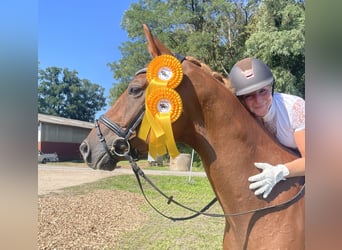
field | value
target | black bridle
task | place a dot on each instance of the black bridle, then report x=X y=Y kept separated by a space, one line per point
x=121 y=147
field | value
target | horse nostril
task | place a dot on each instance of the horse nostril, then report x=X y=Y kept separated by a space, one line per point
x=84 y=149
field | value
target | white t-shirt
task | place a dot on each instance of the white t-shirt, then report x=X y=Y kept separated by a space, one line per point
x=286 y=116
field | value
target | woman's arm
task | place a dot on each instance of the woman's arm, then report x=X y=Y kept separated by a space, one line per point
x=271 y=175
x=297 y=167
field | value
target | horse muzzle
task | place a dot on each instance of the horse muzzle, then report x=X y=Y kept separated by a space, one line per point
x=97 y=158
x=106 y=157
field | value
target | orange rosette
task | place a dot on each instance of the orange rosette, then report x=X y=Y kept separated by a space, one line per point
x=165 y=100
x=165 y=69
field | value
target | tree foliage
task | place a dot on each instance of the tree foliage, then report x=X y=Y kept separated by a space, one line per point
x=208 y=30
x=218 y=32
x=62 y=93
x=278 y=38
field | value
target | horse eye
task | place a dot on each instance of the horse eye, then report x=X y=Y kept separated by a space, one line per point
x=135 y=91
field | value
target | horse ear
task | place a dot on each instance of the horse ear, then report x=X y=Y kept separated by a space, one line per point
x=154 y=46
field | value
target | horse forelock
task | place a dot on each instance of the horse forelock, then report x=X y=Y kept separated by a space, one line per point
x=218 y=76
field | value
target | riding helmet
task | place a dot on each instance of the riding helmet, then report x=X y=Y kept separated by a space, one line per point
x=249 y=75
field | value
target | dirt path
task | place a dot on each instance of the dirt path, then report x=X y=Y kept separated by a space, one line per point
x=51 y=178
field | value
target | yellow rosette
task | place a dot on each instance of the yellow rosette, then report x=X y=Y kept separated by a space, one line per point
x=165 y=70
x=163 y=105
x=165 y=100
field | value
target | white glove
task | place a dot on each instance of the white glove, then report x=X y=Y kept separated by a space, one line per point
x=268 y=178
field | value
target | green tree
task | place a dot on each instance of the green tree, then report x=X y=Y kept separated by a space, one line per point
x=211 y=30
x=278 y=38
x=62 y=93
x=218 y=32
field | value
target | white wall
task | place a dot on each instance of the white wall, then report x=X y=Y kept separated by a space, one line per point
x=61 y=133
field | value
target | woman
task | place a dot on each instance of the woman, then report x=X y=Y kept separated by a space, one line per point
x=282 y=114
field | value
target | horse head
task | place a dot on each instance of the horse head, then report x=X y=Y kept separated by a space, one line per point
x=115 y=133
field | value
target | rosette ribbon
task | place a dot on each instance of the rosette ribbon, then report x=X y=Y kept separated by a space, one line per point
x=163 y=105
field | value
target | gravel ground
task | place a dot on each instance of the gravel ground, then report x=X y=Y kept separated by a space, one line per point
x=95 y=220
x=89 y=221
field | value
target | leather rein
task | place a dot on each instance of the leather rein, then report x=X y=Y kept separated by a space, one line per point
x=121 y=147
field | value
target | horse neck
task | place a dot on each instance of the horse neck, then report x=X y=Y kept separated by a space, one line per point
x=230 y=131
x=229 y=141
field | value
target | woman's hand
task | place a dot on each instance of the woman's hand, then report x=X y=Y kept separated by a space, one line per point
x=268 y=178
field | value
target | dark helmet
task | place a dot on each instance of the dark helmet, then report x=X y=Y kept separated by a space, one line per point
x=249 y=75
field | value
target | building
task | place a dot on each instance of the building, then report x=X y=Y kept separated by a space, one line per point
x=62 y=135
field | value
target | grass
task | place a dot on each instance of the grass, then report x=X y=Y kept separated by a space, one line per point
x=158 y=232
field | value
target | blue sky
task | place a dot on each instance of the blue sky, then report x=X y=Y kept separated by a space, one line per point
x=82 y=35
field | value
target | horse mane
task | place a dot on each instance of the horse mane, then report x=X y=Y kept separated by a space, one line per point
x=218 y=76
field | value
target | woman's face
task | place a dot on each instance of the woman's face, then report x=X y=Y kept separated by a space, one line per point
x=258 y=102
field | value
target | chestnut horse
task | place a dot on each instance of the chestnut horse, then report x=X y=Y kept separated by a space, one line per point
x=227 y=138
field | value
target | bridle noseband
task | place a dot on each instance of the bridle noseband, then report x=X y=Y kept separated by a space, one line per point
x=120 y=146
